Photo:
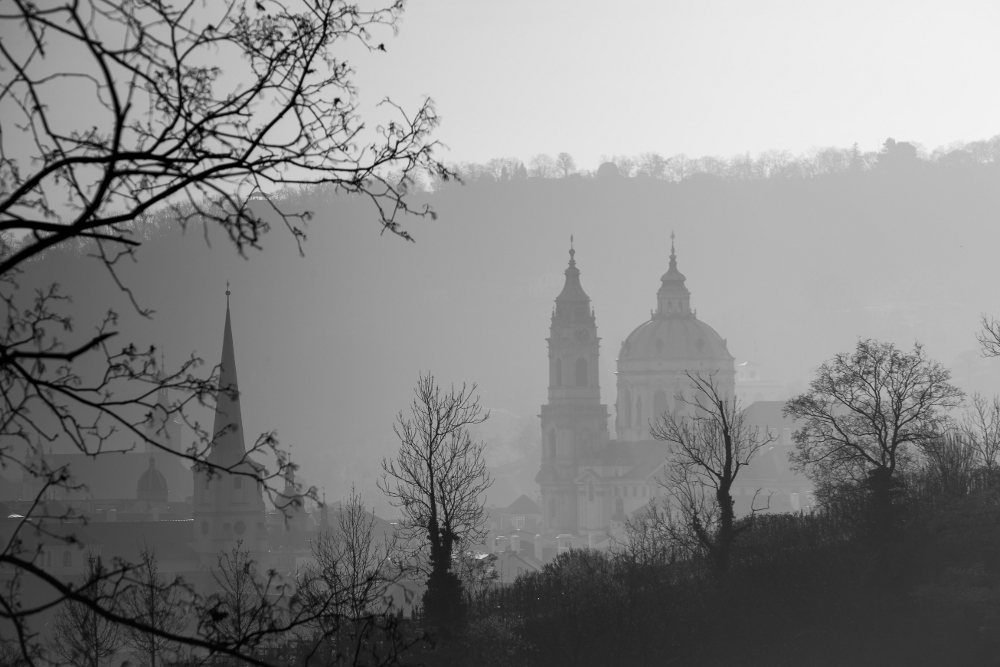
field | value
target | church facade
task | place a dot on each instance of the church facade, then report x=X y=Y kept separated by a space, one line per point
x=589 y=480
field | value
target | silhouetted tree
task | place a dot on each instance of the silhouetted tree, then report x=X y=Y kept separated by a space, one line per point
x=82 y=636
x=132 y=113
x=438 y=480
x=711 y=442
x=153 y=604
x=565 y=164
x=981 y=425
x=542 y=166
x=866 y=411
x=346 y=592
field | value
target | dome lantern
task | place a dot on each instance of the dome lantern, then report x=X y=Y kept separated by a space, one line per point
x=673 y=298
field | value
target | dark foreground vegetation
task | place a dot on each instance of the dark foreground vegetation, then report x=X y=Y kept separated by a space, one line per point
x=918 y=584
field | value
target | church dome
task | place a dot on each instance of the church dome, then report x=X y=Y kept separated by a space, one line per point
x=152 y=484
x=675 y=339
x=659 y=358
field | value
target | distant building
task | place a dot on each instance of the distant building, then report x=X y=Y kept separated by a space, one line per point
x=752 y=386
x=130 y=503
x=591 y=483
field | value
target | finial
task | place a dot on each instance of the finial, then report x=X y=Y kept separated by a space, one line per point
x=572 y=253
x=227 y=294
x=672 y=254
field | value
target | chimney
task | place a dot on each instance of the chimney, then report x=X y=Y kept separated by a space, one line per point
x=515 y=543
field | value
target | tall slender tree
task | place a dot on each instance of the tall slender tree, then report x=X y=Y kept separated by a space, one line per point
x=711 y=442
x=438 y=480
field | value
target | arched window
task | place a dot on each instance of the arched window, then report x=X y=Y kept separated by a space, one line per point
x=552 y=444
x=625 y=409
x=660 y=404
x=638 y=411
x=581 y=372
x=67 y=559
x=552 y=507
x=557 y=373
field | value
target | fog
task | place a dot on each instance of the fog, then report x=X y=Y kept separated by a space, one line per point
x=329 y=344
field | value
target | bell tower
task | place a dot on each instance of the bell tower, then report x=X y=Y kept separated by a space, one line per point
x=574 y=422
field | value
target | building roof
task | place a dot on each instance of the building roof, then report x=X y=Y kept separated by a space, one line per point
x=228 y=447
x=572 y=304
x=152 y=484
x=523 y=505
x=674 y=331
x=113 y=475
x=126 y=539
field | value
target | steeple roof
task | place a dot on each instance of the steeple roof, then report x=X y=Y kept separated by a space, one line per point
x=227 y=447
x=572 y=303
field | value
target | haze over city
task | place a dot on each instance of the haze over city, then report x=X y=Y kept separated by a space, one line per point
x=545 y=314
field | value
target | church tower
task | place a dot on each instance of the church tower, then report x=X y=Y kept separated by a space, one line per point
x=228 y=498
x=574 y=422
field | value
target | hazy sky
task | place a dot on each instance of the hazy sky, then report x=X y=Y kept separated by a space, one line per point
x=520 y=77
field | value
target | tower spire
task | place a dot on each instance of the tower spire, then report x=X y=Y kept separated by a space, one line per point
x=227 y=446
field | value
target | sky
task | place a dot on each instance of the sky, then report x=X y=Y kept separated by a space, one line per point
x=522 y=77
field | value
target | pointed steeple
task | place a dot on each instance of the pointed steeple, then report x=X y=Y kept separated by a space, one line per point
x=228 y=447
x=572 y=304
x=673 y=298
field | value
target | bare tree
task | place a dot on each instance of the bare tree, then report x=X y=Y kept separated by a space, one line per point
x=542 y=166
x=347 y=591
x=950 y=460
x=711 y=443
x=154 y=604
x=652 y=165
x=247 y=610
x=82 y=636
x=437 y=480
x=565 y=164
x=868 y=411
x=989 y=337
x=355 y=561
x=114 y=114
x=981 y=425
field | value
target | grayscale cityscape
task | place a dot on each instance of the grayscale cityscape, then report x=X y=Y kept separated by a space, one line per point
x=464 y=333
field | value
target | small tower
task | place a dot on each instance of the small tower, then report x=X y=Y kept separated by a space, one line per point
x=161 y=429
x=228 y=499
x=574 y=422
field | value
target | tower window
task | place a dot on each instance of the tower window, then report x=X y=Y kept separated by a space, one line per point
x=557 y=373
x=581 y=372
x=237 y=482
x=67 y=559
x=552 y=444
x=552 y=507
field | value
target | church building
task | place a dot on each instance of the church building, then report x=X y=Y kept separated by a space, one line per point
x=589 y=480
